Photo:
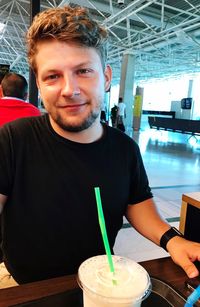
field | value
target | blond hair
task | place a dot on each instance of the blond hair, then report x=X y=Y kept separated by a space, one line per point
x=66 y=24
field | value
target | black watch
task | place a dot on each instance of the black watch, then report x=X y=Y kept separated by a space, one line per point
x=168 y=235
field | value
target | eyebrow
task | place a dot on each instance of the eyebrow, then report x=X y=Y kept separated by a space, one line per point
x=83 y=64
x=54 y=70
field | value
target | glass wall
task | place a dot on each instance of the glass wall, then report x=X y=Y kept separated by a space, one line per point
x=158 y=94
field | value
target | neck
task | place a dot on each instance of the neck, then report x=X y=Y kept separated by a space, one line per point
x=86 y=136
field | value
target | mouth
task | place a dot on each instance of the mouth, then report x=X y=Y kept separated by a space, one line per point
x=74 y=107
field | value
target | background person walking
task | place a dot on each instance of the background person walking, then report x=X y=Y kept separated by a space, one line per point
x=121 y=114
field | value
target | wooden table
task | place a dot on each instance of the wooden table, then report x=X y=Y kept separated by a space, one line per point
x=190 y=216
x=189 y=199
x=163 y=268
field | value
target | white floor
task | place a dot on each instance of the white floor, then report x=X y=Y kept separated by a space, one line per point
x=173 y=167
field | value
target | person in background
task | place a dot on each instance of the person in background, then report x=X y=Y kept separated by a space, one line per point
x=114 y=115
x=13 y=93
x=121 y=114
x=103 y=112
x=50 y=220
x=13 y=103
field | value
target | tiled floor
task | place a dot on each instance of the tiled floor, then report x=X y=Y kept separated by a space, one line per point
x=173 y=167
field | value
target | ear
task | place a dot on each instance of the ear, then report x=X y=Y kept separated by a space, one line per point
x=108 y=77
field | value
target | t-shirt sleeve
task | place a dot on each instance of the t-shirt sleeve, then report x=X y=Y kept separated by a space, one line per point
x=139 y=184
x=6 y=164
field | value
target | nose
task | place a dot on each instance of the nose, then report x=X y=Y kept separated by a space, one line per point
x=70 y=87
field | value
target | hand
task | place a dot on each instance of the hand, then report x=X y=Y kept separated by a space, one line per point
x=184 y=253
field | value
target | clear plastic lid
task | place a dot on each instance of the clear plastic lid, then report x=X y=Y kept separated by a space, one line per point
x=129 y=282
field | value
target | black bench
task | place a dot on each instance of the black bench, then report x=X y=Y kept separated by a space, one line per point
x=186 y=126
x=164 y=113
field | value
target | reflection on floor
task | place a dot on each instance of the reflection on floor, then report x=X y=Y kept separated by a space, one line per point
x=172 y=162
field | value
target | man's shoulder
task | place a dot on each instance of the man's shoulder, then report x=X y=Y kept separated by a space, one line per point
x=119 y=135
x=121 y=142
x=33 y=109
x=24 y=123
x=8 y=100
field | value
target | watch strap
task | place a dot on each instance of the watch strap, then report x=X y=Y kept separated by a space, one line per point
x=168 y=235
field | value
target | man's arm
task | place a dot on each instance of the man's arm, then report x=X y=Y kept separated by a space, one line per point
x=146 y=220
x=3 y=199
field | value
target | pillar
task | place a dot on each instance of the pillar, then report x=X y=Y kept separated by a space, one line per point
x=137 y=111
x=190 y=88
x=33 y=90
x=126 y=87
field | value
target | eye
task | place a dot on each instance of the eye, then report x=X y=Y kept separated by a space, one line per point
x=52 y=77
x=83 y=71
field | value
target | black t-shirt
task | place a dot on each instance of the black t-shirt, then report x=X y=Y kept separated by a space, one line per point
x=50 y=221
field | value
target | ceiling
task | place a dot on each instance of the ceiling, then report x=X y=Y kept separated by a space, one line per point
x=164 y=35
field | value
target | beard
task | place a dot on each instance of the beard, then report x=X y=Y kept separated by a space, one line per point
x=76 y=127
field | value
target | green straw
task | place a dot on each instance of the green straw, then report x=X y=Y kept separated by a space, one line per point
x=103 y=229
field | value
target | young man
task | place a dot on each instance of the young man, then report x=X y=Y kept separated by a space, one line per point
x=13 y=103
x=50 y=220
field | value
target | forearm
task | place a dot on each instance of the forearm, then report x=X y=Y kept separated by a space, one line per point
x=145 y=218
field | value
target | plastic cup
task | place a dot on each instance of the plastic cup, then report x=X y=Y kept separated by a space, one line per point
x=128 y=287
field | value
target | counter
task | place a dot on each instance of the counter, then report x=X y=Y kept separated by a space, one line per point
x=163 y=268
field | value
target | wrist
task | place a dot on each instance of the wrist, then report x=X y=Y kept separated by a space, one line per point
x=168 y=235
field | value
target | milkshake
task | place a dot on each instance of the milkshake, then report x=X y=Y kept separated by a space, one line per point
x=127 y=287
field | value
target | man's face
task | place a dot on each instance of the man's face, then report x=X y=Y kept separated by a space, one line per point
x=72 y=83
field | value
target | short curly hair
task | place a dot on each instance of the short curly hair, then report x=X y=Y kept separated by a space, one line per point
x=66 y=24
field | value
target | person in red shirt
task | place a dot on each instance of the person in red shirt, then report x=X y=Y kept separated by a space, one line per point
x=13 y=103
